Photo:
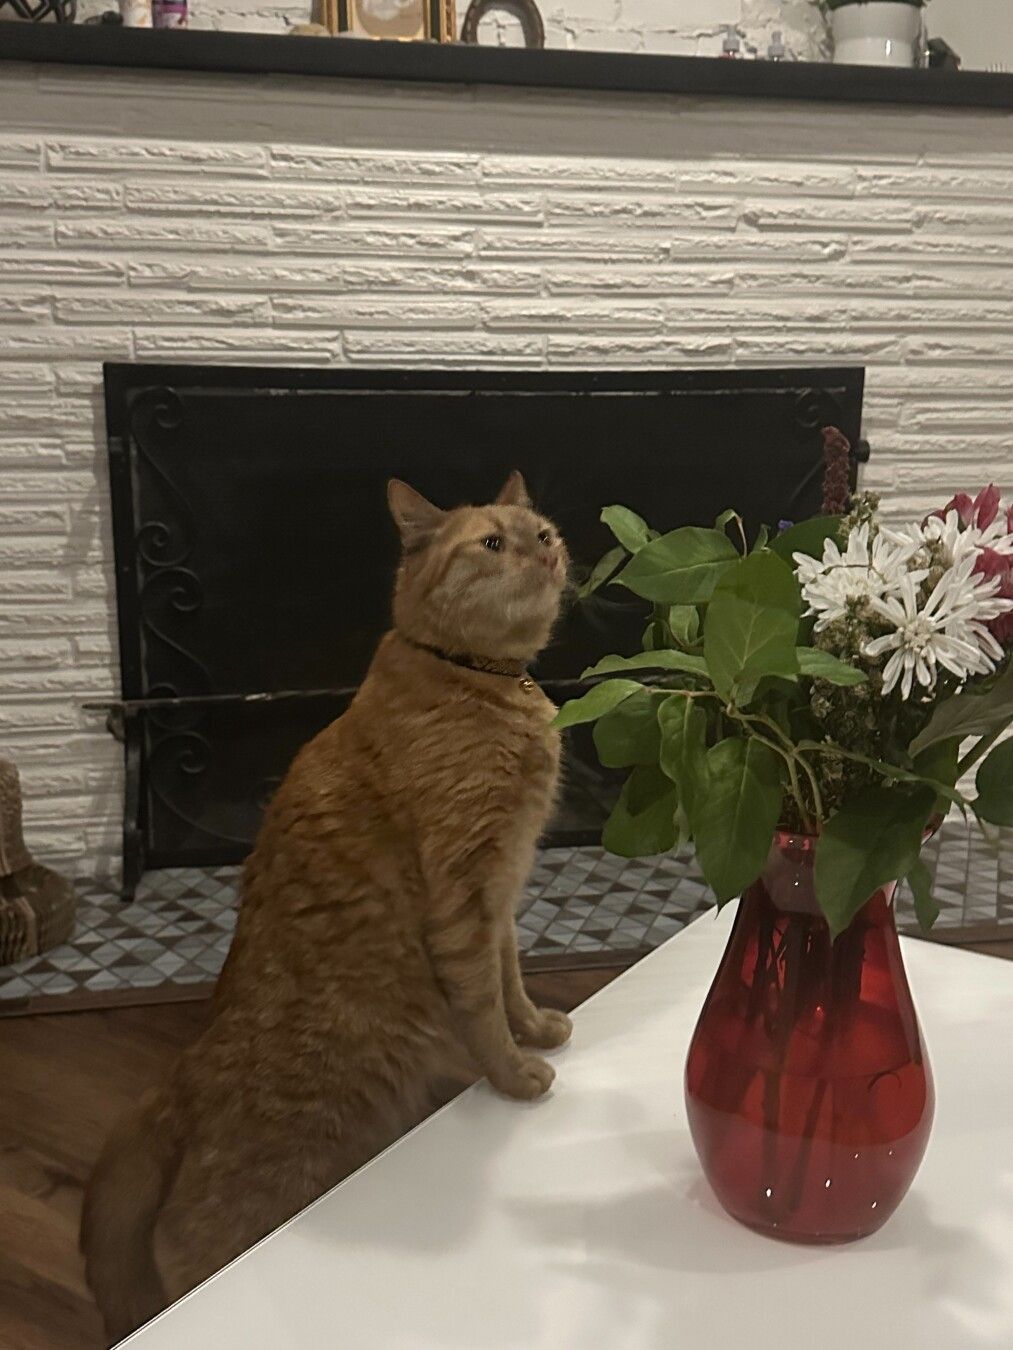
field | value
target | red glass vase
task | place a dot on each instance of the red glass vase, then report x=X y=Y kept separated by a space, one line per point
x=808 y=1089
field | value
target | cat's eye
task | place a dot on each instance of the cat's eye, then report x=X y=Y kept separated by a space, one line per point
x=493 y=541
x=544 y=537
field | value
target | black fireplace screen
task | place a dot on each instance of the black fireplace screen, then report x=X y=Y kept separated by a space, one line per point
x=254 y=555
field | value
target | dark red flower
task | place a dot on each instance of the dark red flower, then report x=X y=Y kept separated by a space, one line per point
x=962 y=504
x=993 y=564
x=986 y=507
x=980 y=512
x=836 y=472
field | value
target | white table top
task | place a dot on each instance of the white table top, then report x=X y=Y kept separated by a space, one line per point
x=582 y=1222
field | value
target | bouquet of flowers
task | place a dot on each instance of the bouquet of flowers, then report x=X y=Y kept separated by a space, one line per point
x=825 y=680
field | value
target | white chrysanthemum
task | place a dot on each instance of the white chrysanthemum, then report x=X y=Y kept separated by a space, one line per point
x=863 y=571
x=950 y=538
x=948 y=630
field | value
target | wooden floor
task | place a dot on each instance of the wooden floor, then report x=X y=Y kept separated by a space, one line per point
x=64 y=1079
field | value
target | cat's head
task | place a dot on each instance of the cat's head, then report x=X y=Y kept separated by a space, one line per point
x=483 y=580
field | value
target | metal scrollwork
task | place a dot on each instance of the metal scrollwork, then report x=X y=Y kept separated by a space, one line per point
x=167 y=592
x=181 y=755
x=170 y=595
x=191 y=752
x=176 y=763
x=156 y=417
x=815 y=409
x=177 y=587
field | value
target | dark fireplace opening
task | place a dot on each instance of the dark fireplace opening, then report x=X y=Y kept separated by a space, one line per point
x=254 y=554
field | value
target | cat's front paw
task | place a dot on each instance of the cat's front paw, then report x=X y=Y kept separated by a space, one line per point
x=526 y=1079
x=546 y=1029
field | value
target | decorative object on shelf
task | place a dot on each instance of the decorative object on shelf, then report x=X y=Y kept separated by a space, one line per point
x=941 y=55
x=731 y=46
x=798 y=711
x=169 y=14
x=877 y=32
x=309 y=30
x=777 y=50
x=524 y=11
x=36 y=904
x=398 y=20
x=39 y=11
x=136 y=13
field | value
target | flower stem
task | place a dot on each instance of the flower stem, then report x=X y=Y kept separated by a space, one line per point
x=796 y=790
x=814 y=788
x=742 y=535
x=787 y=754
x=798 y=759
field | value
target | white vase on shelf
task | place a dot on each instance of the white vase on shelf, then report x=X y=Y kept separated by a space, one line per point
x=879 y=33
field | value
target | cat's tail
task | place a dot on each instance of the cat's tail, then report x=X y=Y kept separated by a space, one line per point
x=131 y=1180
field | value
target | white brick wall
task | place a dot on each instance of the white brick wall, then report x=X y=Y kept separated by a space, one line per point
x=315 y=222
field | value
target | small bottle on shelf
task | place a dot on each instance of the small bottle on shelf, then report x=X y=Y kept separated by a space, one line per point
x=169 y=13
x=731 y=49
x=776 y=51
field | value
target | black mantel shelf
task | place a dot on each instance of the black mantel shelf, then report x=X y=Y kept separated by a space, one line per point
x=430 y=63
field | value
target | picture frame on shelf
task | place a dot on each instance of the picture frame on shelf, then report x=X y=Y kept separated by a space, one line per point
x=397 y=20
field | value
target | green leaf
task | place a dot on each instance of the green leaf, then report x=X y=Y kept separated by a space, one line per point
x=969 y=714
x=822 y=665
x=762 y=536
x=643 y=821
x=630 y=733
x=683 y=727
x=939 y=764
x=680 y=568
x=631 y=531
x=684 y=833
x=736 y=815
x=994 y=781
x=722 y=520
x=871 y=841
x=601 y=572
x=655 y=637
x=808 y=537
x=684 y=624
x=752 y=624
x=919 y=878
x=663 y=660
x=596 y=703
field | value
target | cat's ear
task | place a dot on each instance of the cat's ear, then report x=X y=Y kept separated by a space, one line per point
x=514 y=492
x=415 y=517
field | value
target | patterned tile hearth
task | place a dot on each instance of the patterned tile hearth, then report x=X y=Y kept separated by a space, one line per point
x=581 y=905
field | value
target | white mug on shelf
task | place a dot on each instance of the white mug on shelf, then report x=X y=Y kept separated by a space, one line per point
x=880 y=33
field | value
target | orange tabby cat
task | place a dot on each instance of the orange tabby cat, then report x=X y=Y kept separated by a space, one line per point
x=375 y=958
